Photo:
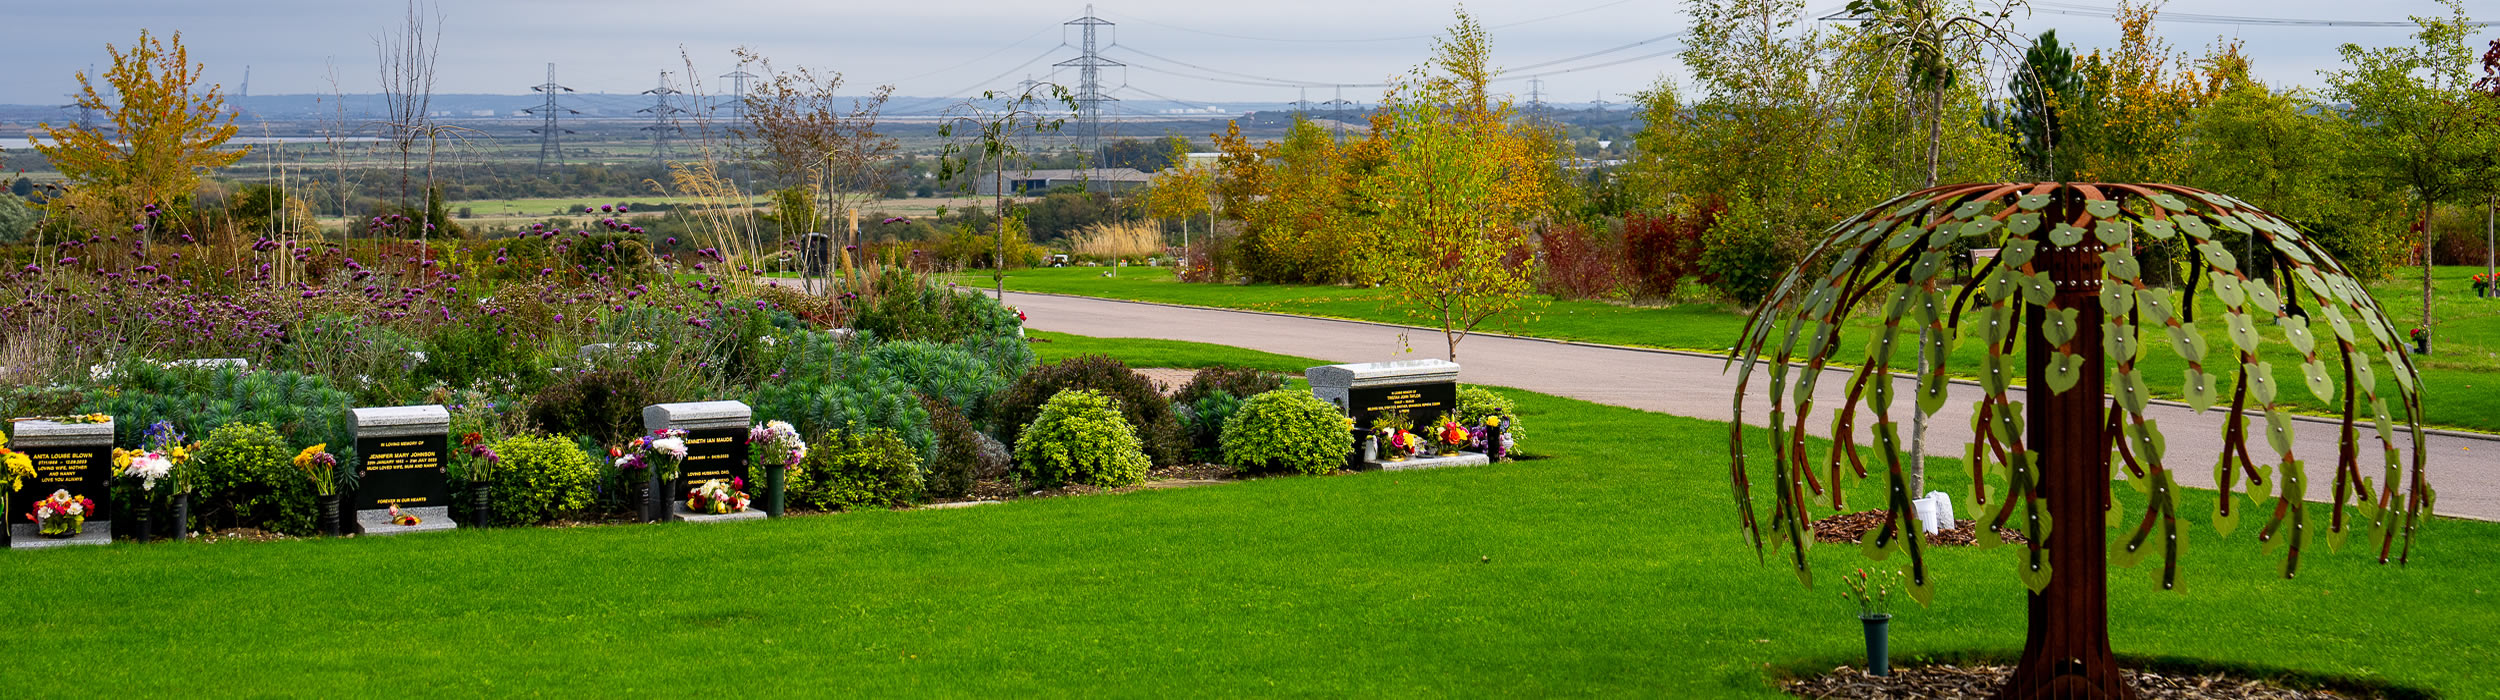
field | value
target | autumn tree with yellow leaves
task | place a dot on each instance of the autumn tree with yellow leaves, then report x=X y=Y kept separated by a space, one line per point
x=1462 y=185
x=166 y=131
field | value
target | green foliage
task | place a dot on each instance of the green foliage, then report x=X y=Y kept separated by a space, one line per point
x=623 y=254
x=1204 y=420
x=602 y=404
x=857 y=401
x=857 y=467
x=1240 y=382
x=345 y=347
x=1139 y=402
x=949 y=373
x=16 y=218
x=1476 y=404
x=957 y=467
x=246 y=479
x=2045 y=89
x=1080 y=438
x=1288 y=430
x=542 y=477
x=480 y=352
x=909 y=307
x=304 y=409
x=1741 y=258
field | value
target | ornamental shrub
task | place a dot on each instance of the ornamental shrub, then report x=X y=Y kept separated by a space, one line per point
x=541 y=477
x=247 y=479
x=603 y=404
x=856 y=467
x=1080 y=438
x=1287 y=430
x=958 y=464
x=1477 y=403
x=948 y=373
x=1139 y=403
x=1240 y=382
x=863 y=399
x=1579 y=264
x=1660 y=251
x=902 y=305
x=1204 y=421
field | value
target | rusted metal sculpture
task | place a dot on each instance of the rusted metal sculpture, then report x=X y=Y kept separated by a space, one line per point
x=2069 y=288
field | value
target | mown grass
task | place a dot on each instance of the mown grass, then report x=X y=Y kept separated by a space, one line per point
x=2464 y=374
x=1611 y=568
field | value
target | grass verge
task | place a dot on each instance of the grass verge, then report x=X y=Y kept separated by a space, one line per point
x=1610 y=568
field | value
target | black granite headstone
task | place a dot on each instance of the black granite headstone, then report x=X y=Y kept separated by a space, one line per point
x=1421 y=402
x=402 y=470
x=712 y=453
x=81 y=471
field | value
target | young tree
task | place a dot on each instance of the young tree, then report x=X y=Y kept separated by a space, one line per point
x=2143 y=95
x=1932 y=48
x=2284 y=151
x=2048 y=94
x=996 y=119
x=797 y=124
x=1462 y=184
x=405 y=58
x=1182 y=190
x=2418 y=123
x=166 y=130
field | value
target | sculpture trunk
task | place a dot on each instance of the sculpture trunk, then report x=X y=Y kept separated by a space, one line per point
x=2066 y=654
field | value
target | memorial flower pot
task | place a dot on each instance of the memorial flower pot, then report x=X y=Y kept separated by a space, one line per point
x=144 y=531
x=485 y=509
x=656 y=500
x=1878 y=643
x=775 y=478
x=329 y=515
x=182 y=516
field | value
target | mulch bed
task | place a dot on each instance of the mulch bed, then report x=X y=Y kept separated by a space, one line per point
x=1848 y=528
x=1948 y=681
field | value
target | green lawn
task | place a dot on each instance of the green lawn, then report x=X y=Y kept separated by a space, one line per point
x=1611 y=568
x=2465 y=374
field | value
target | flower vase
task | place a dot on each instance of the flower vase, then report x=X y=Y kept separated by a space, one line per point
x=656 y=509
x=329 y=515
x=639 y=498
x=139 y=517
x=182 y=516
x=484 y=509
x=775 y=477
x=1878 y=644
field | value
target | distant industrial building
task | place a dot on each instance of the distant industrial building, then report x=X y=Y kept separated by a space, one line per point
x=1039 y=181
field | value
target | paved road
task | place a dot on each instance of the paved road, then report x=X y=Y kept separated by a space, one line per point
x=2464 y=470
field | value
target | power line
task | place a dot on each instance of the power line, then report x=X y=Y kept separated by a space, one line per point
x=2079 y=10
x=1412 y=37
x=1089 y=93
x=550 y=139
x=926 y=102
x=1265 y=80
x=662 y=123
x=982 y=57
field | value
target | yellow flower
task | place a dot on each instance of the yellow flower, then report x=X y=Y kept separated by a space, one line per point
x=121 y=458
x=303 y=460
x=178 y=453
x=19 y=468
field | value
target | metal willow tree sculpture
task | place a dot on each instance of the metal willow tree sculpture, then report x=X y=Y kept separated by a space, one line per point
x=2070 y=291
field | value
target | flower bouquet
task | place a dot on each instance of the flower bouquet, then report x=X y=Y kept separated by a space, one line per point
x=1451 y=437
x=404 y=519
x=662 y=451
x=775 y=443
x=2482 y=285
x=61 y=514
x=1396 y=442
x=717 y=497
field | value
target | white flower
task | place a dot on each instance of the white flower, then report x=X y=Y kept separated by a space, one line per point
x=674 y=448
x=149 y=467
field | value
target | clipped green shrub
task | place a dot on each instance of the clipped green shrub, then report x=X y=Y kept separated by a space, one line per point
x=958 y=464
x=1239 y=382
x=857 y=467
x=1286 y=430
x=303 y=409
x=1138 y=401
x=949 y=373
x=1204 y=421
x=603 y=404
x=1080 y=438
x=1476 y=403
x=247 y=479
x=541 y=477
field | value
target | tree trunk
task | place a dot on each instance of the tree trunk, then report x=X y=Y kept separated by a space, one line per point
x=2491 y=241
x=2430 y=245
x=1935 y=132
x=2066 y=654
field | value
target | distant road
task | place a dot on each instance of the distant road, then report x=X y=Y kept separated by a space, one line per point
x=2464 y=469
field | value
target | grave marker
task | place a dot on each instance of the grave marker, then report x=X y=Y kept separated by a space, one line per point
x=73 y=457
x=716 y=448
x=400 y=455
x=1422 y=389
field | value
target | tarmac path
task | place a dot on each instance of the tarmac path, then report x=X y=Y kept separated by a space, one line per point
x=2464 y=468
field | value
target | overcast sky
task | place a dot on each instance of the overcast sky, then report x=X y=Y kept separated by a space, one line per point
x=936 y=48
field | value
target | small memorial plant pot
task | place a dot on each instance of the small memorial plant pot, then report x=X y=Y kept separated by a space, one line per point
x=61 y=515
x=329 y=514
x=1878 y=643
x=182 y=516
x=1872 y=593
x=485 y=508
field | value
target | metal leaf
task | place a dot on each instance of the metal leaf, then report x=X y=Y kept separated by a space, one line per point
x=2297 y=334
x=2113 y=232
x=2319 y=384
x=2118 y=340
x=1979 y=228
x=2242 y=331
x=2217 y=256
x=2116 y=299
x=2064 y=372
x=2159 y=229
x=2036 y=289
x=2065 y=235
x=2198 y=389
x=2189 y=344
x=2170 y=202
x=2131 y=392
x=2194 y=227
x=2119 y=264
x=1971 y=208
x=2261 y=382
x=2058 y=325
x=2101 y=208
x=2279 y=430
x=2016 y=253
x=2227 y=288
x=2022 y=224
x=2033 y=202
